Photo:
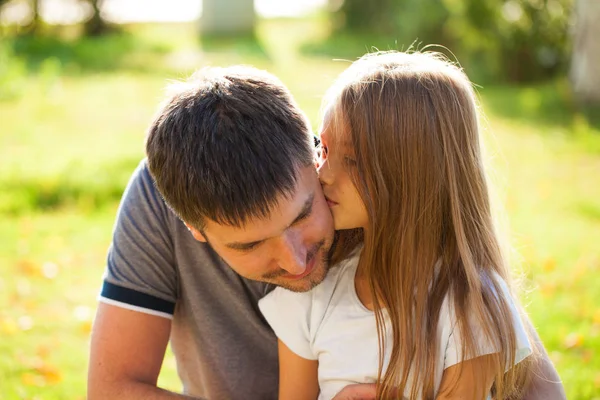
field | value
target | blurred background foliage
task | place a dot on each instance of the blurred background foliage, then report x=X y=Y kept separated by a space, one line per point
x=81 y=79
x=516 y=41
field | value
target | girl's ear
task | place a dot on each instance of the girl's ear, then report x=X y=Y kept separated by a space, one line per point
x=195 y=233
x=317 y=152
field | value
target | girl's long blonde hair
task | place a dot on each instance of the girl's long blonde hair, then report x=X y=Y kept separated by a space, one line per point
x=413 y=122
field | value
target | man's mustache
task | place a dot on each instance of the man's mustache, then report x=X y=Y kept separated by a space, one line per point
x=312 y=253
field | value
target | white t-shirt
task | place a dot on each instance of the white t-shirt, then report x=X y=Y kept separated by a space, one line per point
x=331 y=325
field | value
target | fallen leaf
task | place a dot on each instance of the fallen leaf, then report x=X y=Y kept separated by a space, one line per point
x=44 y=351
x=50 y=373
x=587 y=356
x=596 y=317
x=573 y=340
x=548 y=289
x=30 y=379
x=549 y=265
x=86 y=327
x=8 y=326
x=31 y=305
x=28 y=268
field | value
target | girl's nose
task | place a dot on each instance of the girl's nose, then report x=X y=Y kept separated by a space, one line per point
x=325 y=173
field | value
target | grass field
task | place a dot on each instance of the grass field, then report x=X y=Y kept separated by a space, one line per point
x=72 y=119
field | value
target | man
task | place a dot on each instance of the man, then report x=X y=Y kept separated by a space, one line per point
x=227 y=206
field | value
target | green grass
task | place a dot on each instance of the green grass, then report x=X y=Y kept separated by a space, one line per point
x=552 y=192
x=73 y=130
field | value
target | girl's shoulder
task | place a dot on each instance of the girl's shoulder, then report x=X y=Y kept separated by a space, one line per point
x=490 y=280
x=451 y=334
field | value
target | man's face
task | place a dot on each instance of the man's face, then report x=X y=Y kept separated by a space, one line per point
x=288 y=249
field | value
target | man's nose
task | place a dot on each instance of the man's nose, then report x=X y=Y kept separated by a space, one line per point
x=292 y=253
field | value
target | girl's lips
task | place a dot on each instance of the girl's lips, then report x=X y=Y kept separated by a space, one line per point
x=330 y=202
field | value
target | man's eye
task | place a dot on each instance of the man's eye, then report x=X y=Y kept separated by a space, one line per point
x=249 y=246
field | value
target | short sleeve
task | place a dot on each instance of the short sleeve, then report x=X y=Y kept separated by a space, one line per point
x=141 y=272
x=288 y=313
x=453 y=338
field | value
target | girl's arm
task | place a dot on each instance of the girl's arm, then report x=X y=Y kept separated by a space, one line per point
x=298 y=379
x=471 y=379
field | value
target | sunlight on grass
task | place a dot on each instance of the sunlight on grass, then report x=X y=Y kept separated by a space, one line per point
x=74 y=131
x=548 y=179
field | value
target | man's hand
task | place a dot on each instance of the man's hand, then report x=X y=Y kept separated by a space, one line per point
x=545 y=383
x=360 y=391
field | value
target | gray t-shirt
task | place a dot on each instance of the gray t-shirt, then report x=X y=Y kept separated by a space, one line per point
x=223 y=346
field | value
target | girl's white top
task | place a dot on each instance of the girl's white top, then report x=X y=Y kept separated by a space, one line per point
x=331 y=325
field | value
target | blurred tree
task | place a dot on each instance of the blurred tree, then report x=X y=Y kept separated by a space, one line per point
x=227 y=17
x=34 y=25
x=374 y=16
x=534 y=38
x=96 y=26
x=515 y=40
x=585 y=62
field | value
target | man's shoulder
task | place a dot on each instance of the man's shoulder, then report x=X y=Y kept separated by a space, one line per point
x=141 y=199
x=142 y=179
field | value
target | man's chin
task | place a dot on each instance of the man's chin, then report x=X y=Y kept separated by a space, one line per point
x=316 y=276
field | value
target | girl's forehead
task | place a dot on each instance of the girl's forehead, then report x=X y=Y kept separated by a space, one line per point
x=334 y=127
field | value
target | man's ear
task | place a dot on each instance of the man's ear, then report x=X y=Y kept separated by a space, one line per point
x=195 y=233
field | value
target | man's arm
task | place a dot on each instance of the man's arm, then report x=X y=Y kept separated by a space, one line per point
x=545 y=382
x=127 y=351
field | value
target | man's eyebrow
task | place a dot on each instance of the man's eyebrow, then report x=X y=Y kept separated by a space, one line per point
x=304 y=213
x=306 y=210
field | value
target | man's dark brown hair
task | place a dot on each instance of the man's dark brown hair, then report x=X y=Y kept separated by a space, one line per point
x=226 y=144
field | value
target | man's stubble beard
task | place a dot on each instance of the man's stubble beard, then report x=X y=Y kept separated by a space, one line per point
x=314 y=278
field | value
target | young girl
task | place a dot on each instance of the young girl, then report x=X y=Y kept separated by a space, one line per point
x=421 y=302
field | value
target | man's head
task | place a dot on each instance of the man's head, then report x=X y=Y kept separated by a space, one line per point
x=232 y=155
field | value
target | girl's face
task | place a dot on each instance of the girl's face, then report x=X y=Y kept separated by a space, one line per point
x=336 y=164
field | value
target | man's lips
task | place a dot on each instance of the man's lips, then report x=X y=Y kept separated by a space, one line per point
x=309 y=267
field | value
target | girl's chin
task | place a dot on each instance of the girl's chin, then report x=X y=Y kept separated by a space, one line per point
x=344 y=225
x=343 y=220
